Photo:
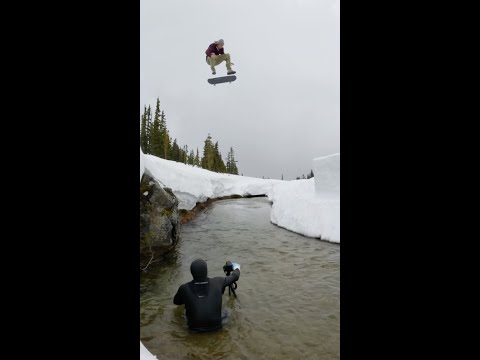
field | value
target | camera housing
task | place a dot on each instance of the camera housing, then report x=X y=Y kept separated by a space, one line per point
x=228 y=267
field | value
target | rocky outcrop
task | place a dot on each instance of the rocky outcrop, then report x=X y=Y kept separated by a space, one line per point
x=159 y=220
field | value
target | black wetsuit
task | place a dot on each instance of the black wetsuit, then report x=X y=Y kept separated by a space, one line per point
x=203 y=297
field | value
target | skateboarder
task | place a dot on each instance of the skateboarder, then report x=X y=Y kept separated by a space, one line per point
x=216 y=55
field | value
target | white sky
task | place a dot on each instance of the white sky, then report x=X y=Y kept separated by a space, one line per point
x=284 y=108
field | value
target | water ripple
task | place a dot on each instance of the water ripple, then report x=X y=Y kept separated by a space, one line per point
x=288 y=302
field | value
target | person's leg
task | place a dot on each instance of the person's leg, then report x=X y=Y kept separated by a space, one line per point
x=212 y=64
x=224 y=57
x=227 y=59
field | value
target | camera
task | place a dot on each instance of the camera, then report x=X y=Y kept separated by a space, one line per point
x=228 y=267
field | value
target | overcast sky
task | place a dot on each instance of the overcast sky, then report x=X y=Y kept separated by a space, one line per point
x=284 y=108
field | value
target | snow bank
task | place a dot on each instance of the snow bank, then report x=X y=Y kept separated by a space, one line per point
x=309 y=207
x=298 y=208
x=145 y=354
x=192 y=184
x=327 y=174
x=142 y=165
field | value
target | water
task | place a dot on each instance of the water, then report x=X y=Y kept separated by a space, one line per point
x=288 y=304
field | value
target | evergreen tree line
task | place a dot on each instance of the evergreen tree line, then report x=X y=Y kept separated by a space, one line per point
x=155 y=140
x=309 y=175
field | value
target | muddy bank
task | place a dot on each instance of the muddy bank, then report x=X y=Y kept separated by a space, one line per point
x=200 y=207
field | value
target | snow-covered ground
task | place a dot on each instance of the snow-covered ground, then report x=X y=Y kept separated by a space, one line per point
x=309 y=207
x=145 y=354
x=192 y=184
x=298 y=208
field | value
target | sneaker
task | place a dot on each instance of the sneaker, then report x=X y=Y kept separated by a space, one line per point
x=214 y=72
x=230 y=72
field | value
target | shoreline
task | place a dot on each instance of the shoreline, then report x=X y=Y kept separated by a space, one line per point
x=189 y=215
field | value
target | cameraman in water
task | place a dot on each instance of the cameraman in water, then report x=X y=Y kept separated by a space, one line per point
x=203 y=295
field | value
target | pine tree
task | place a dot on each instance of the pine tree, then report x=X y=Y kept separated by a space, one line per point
x=234 y=165
x=228 y=163
x=185 y=154
x=231 y=167
x=218 y=164
x=310 y=174
x=208 y=154
x=191 y=158
x=155 y=136
x=165 y=138
x=175 y=151
x=143 y=131
x=196 y=161
x=182 y=155
x=282 y=176
x=148 y=130
x=167 y=145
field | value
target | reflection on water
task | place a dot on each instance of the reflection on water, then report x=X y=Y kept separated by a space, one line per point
x=288 y=303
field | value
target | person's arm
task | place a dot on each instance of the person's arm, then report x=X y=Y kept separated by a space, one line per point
x=234 y=276
x=221 y=51
x=230 y=279
x=210 y=51
x=178 y=299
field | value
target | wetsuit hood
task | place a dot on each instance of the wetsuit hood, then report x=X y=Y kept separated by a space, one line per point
x=198 y=268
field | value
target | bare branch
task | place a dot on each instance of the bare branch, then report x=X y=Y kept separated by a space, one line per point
x=150 y=261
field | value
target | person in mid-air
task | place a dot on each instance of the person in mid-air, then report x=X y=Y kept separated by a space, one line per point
x=216 y=55
x=203 y=296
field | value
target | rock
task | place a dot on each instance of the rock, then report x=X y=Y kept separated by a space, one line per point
x=159 y=220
